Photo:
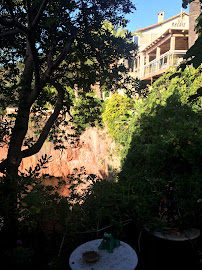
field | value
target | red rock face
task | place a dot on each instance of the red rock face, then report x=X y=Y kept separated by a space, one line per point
x=94 y=152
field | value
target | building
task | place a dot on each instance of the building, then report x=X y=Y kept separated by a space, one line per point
x=161 y=45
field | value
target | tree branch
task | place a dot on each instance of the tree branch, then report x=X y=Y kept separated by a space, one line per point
x=65 y=50
x=44 y=134
x=35 y=60
x=38 y=15
x=9 y=23
x=12 y=22
x=60 y=58
x=10 y=33
x=50 y=54
x=29 y=15
x=10 y=7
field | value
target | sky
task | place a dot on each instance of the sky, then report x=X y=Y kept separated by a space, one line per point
x=146 y=12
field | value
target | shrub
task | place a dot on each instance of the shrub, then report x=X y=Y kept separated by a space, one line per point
x=164 y=144
x=87 y=112
x=116 y=116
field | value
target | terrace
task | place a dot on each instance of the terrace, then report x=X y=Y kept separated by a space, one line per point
x=159 y=65
x=166 y=51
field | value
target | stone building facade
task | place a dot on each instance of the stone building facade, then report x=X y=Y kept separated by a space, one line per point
x=194 y=12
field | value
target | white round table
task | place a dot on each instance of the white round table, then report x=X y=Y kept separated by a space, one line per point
x=123 y=258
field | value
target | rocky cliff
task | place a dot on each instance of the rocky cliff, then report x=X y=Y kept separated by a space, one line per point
x=95 y=151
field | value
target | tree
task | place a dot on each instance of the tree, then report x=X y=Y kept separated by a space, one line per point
x=43 y=43
x=52 y=38
x=117 y=31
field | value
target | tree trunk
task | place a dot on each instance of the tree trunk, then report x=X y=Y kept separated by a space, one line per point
x=21 y=123
x=9 y=207
x=14 y=156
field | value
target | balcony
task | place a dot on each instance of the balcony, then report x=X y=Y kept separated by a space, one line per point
x=159 y=65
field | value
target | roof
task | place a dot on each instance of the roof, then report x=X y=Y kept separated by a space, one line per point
x=164 y=37
x=167 y=20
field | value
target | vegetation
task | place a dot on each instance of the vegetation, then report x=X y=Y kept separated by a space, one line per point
x=117 y=113
x=194 y=54
x=164 y=145
x=86 y=112
x=59 y=45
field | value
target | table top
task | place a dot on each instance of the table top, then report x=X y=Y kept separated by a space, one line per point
x=184 y=235
x=123 y=257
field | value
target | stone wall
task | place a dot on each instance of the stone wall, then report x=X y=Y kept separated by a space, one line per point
x=194 y=12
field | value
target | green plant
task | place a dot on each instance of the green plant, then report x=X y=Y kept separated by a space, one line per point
x=54 y=41
x=164 y=144
x=86 y=112
x=100 y=205
x=55 y=264
x=118 y=111
x=20 y=256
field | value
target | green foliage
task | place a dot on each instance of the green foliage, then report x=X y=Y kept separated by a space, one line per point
x=116 y=116
x=93 y=206
x=185 y=82
x=20 y=257
x=36 y=201
x=164 y=144
x=86 y=112
x=117 y=31
x=56 y=45
x=43 y=203
x=101 y=205
x=186 y=2
x=194 y=55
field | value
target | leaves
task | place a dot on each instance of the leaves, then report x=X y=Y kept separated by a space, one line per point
x=116 y=115
x=186 y=2
x=193 y=55
x=59 y=43
x=86 y=112
x=163 y=145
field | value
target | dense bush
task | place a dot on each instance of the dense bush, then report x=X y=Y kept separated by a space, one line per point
x=50 y=224
x=118 y=111
x=87 y=112
x=165 y=144
x=162 y=142
x=102 y=206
